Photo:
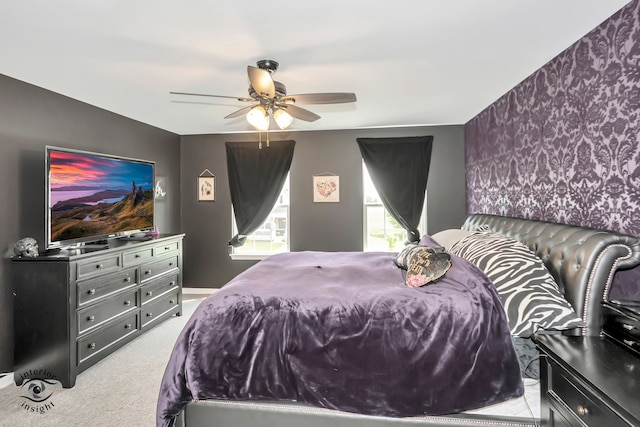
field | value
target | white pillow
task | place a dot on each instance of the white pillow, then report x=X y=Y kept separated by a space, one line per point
x=448 y=238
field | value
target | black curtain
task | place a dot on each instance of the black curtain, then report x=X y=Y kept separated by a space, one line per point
x=256 y=177
x=399 y=169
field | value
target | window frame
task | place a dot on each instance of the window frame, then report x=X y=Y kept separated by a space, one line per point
x=366 y=181
x=262 y=255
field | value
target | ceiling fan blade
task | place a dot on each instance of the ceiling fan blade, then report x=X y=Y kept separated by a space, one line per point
x=299 y=113
x=320 y=98
x=238 y=98
x=261 y=82
x=240 y=112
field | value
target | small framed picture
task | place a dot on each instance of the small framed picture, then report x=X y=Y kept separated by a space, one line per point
x=326 y=188
x=206 y=188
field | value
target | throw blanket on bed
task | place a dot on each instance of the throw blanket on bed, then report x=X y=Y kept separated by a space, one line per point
x=341 y=330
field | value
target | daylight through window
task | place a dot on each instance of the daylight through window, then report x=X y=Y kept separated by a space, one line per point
x=381 y=231
x=273 y=235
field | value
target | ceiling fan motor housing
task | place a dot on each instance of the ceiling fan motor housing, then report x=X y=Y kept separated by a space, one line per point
x=268 y=64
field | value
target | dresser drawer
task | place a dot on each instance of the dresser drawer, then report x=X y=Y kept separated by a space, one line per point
x=93 y=344
x=158 y=308
x=93 y=316
x=134 y=258
x=576 y=401
x=97 y=266
x=155 y=288
x=166 y=249
x=153 y=269
x=93 y=290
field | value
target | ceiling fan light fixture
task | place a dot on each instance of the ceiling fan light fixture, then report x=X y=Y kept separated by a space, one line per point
x=283 y=119
x=258 y=118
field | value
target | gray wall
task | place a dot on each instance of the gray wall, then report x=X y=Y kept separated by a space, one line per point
x=314 y=226
x=30 y=118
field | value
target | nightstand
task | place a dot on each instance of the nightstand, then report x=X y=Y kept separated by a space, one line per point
x=621 y=324
x=587 y=381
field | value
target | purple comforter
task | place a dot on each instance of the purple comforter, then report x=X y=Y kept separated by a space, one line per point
x=341 y=330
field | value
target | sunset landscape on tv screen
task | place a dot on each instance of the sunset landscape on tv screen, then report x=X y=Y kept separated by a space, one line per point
x=92 y=195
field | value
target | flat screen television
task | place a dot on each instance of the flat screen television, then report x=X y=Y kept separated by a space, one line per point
x=91 y=197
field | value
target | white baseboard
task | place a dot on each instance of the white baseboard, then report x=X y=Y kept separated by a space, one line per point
x=197 y=291
x=6 y=380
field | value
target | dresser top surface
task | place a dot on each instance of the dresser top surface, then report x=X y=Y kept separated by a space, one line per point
x=118 y=244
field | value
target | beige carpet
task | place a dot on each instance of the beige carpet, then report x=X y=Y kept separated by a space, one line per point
x=121 y=390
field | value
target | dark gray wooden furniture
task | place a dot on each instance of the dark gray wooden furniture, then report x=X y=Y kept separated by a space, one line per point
x=73 y=307
x=621 y=323
x=588 y=381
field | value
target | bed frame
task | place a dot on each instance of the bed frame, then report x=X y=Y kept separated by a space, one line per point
x=582 y=261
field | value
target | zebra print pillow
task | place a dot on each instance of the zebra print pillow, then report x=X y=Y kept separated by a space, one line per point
x=529 y=293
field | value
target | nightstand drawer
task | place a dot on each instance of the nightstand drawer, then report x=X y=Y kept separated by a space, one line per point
x=587 y=381
x=580 y=402
x=622 y=325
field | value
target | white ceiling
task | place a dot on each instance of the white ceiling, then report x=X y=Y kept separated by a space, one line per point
x=410 y=62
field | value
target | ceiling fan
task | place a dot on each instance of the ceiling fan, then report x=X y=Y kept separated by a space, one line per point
x=269 y=98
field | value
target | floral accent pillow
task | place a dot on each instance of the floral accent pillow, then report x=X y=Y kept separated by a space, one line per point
x=426 y=266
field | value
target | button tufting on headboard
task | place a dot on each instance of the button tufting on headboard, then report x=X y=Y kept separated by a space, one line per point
x=581 y=260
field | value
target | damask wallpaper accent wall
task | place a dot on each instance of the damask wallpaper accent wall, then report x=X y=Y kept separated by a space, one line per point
x=564 y=144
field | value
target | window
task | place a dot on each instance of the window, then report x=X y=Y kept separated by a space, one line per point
x=381 y=231
x=272 y=236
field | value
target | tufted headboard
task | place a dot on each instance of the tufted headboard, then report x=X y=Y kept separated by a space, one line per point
x=581 y=260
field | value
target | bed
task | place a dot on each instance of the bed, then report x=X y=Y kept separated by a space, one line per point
x=370 y=350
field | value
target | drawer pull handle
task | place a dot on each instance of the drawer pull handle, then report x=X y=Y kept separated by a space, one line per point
x=149 y=314
x=99 y=266
x=583 y=410
x=149 y=293
x=127 y=326
x=92 y=346
x=628 y=327
x=91 y=318
x=91 y=291
x=170 y=264
x=147 y=272
x=629 y=343
x=171 y=301
x=127 y=279
x=172 y=283
x=166 y=248
x=136 y=256
x=127 y=302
